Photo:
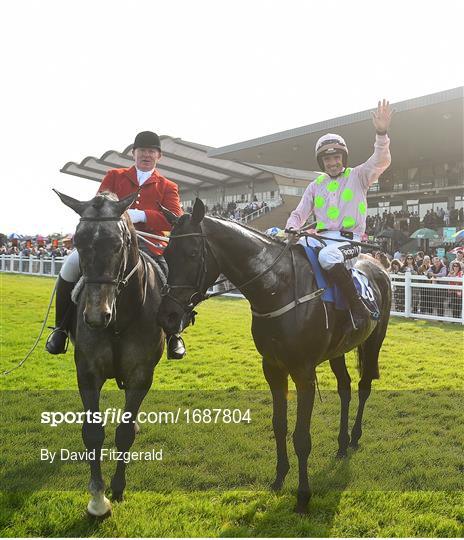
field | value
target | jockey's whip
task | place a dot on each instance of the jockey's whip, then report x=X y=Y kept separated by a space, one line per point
x=155 y=236
x=38 y=337
x=157 y=246
x=301 y=232
x=353 y=242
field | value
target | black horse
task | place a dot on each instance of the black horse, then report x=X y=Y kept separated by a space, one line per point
x=292 y=341
x=115 y=333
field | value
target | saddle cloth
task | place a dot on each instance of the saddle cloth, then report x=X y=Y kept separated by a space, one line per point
x=332 y=292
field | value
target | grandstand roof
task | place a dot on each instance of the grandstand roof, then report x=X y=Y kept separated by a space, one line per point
x=183 y=162
x=426 y=128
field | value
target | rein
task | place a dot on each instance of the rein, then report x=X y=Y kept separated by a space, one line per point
x=166 y=290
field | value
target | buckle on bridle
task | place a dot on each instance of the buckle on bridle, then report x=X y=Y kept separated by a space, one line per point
x=165 y=289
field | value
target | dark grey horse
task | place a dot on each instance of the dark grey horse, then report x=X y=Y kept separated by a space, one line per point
x=272 y=276
x=115 y=333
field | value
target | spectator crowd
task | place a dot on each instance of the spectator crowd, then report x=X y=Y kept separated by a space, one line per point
x=41 y=248
x=408 y=222
x=235 y=211
x=437 y=271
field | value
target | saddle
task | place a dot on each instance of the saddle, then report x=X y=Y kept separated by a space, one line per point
x=333 y=294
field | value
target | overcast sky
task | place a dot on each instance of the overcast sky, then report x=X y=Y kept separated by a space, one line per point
x=80 y=78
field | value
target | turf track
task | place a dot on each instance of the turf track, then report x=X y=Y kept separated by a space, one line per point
x=421 y=379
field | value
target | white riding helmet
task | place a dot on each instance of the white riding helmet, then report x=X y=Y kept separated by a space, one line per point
x=331 y=144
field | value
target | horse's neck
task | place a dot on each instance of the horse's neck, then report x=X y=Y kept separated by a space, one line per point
x=243 y=255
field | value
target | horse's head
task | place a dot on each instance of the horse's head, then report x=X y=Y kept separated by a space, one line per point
x=103 y=239
x=192 y=269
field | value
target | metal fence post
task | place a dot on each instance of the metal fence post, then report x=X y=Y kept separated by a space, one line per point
x=407 y=294
x=3 y=262
x=52 y=267
x=20 y=264
x=31 y=259
x=12 y=263
x=41 y=266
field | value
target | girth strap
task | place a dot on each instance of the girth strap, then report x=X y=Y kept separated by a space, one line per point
x=288 y=307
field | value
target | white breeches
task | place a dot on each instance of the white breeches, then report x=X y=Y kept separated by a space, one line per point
x=70 y=270
x=334 y=252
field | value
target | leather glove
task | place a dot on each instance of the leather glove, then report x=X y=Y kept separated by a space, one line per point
x=137 y=216
x=292 y=237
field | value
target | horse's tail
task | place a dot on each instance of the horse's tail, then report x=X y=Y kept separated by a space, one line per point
x=368 y=352
x=368 y=358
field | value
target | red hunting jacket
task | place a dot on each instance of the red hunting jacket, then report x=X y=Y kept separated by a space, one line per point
x=156 y=189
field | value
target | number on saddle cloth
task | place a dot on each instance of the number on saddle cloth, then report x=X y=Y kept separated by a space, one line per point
x=333 y=294
x=365 y=291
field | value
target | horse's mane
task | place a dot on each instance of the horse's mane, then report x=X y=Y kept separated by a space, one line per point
x=261 y=234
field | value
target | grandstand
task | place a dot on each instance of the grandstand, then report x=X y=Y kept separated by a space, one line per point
x=427 y=170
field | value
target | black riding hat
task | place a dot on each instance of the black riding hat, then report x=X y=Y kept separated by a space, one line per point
x=147 y=139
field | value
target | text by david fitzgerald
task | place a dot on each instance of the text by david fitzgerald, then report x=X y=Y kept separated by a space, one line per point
x=109 y=454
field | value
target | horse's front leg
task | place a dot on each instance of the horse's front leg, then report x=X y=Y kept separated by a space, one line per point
x=278 y=383
x=125 y=435
x=93 y=435
x=338 y=366
x=305 y=388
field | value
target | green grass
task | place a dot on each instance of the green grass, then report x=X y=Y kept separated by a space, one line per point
x=404 y=481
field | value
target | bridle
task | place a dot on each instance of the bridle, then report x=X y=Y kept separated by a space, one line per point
x=121 y=281
x=201 y=276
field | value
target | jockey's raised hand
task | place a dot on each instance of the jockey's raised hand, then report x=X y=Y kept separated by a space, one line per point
x=381 y=118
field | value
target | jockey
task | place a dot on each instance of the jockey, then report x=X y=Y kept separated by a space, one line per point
x=145 y=215
x=338 y=198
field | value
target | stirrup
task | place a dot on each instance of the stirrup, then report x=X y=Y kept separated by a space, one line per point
x=173 y=355
x=57 y=330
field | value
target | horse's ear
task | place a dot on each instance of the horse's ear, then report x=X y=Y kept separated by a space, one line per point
x=122 y=205
x=198 y=212
x=77 y=206
x=170 y=216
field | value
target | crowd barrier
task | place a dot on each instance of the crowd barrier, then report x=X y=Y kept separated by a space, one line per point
x=416 y=297
x=38 y=266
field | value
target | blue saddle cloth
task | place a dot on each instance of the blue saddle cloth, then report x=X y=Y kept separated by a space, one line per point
x=332 y=292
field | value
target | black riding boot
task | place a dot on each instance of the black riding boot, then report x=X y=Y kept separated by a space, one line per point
x=56 y=342
x=343 y=278
x=176 y=347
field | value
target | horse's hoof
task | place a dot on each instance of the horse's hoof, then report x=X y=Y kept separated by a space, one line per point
x=354 y=445
x=302 y=501
x=277 y=484
x=117 y=496
x=341 y=454
x=136 y=428
x=100 y=509
x=301 y=509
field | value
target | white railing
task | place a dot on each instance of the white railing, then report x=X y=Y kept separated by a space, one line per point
x=437 y=299
x=414 y=297
x=37 y=266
